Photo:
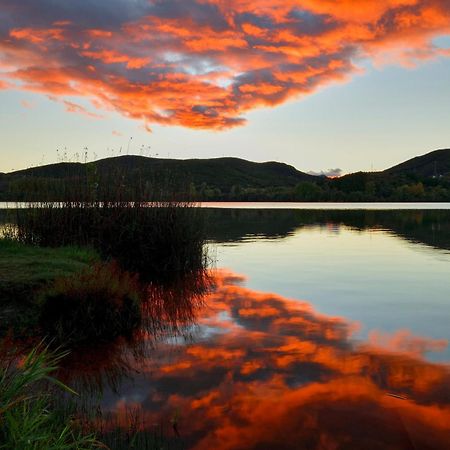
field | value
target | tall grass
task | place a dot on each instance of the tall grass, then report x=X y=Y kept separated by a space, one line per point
x=27 y=417
x=146 y=228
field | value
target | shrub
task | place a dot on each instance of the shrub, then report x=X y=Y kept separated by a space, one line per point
x=100 y=303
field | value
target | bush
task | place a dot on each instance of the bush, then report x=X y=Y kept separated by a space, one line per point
x=100 y=303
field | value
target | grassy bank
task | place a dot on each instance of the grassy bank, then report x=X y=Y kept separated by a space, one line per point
x=137 y=220
x=25 y=271
x=25 y=268
x=65 y=293
x=45 y=264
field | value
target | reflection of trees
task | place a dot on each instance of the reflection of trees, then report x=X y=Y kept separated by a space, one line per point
x=430 y=227
x=273 y=373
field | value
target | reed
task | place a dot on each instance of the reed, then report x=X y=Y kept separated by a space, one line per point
x=28 y=418
x=147 y=229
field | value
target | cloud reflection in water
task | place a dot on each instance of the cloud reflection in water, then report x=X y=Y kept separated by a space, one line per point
x=268 y=372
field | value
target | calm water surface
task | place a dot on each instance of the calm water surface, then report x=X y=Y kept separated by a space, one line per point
x=293 y=205
x=325 y=330
x=327 y=205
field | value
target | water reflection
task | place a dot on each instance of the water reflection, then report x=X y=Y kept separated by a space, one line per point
x=242 y=369
x=430 y=227
x=420 y=226
x=269 y=372
x=169 y=315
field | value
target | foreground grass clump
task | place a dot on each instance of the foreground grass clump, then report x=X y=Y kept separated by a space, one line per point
x=28 y=418
x=99 y=303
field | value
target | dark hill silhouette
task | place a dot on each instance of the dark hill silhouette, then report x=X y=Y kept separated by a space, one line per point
x=424 y=178
x=222 y=173
x=433 y=164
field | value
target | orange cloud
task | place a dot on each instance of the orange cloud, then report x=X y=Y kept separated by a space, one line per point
x=206 y=63
x=111 y=57
x=78 y=109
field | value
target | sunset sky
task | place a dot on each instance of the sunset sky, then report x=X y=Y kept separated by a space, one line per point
x=319 y=84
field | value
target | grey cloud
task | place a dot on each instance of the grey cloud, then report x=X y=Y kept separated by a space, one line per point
x=261 y=21
x=307 y=23
x=201 y=13
x=83 y=13
x=327 y=173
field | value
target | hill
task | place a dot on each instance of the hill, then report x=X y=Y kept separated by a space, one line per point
x=433 y=164
x=218 y=172
x=218 y=175
x=424 y=178
x=221 y=173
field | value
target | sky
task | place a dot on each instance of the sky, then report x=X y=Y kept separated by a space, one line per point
x=324 y=85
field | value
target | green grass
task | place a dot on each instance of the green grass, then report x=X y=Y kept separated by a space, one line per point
x=66 y=294
x=21 y=264
x=24 y=270
x=39 y=412
x=28 y=418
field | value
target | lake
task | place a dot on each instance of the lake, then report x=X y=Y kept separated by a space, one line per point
x=325 y=329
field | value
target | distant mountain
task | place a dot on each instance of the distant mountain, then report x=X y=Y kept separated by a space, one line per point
x=433 y=164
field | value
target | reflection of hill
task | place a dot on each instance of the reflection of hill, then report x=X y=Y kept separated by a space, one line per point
x=428 y=227
x=230 y=225
x=4 y=216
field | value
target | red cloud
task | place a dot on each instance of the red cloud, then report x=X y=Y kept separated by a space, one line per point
x=205 y=63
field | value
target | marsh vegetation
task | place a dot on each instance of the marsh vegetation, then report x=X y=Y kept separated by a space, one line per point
x=92 y=269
